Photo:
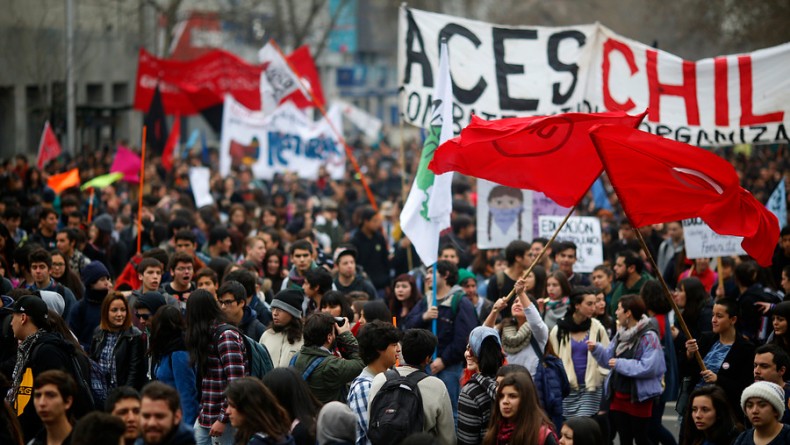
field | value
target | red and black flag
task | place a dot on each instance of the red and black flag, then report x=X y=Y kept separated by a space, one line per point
x=156 y=124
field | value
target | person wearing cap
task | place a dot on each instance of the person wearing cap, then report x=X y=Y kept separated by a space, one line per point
x=87 y=314
x=483 y=355
x=284 y=339
x=763 y=404
x=468 y=283
x=146 y=305
x=40 y=263
x=39 y=350
x=348 y=279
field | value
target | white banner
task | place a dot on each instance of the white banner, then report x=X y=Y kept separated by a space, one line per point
x=287 y=140
x=702 y=242
x=503 y=71
x=584 y=231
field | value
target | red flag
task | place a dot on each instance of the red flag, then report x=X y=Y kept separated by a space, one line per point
x=61 y=182
x=550 y=154
x=170 y=147
x=660 y=180
x=48 y=148
x=303 y=63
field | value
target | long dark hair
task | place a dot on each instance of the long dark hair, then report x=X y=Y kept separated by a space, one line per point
x=529 y=418
x=167 y=330
x=414 y=298
x=335 y=298
x=491 y=357
x=585 y=431
x=260 y=410
x=203 y=312
x=696 y=296
x=69 y=279
x=539 y=291
x=725 y=427
x=295 y=396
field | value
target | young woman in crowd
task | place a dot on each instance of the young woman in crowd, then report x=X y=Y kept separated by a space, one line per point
x=764 y=405
x=710 y=419
x=117 y=346
x=602 y=315
x=483 y=353
x=375 y=310
x=336 y=304
x=556 y=305
x=781 y=334
x=63 y=274
x=170 y=358
x=728 y=357
x=406 y=296
x=569 y=339
x=293 y=394
x=273 y=268
x=696 y=306
x=536 y=284
x=255 y=413
x=636 y=363
x=517 y=417
x=581 y=431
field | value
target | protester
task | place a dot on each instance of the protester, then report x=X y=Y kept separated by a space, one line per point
x=770 y=365
x=124 y=403
x=555 y=306
x=53 y=394
x=372 y=250
x=256 y=415
x=781 y=334
x=98 y=427
x=295 y=397
x=517 y=417
x=160 y=417
x=628 y=271
x=348 y=279
x=709 y=419
x=87 y=313
x=763 y=404
x=696 y=306
x=317 y=282
x=337 y=424
x=502 y=283
x=64 y=275
x=580 y=431
x=336 y=304
x=232 y=298
x=406 y=300
x=40 y=262
x=484 y=356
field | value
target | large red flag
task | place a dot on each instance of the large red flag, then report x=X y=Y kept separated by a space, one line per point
x=303 y=63
x=48 y=147
x=660 y=180
x=172 y=142
x=551 y=154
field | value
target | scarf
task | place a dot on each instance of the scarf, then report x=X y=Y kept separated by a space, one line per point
x=628 y=337
x=294 y=279
x=567 y=324
x=505 y=430
x=22 y=356
x=514 y=339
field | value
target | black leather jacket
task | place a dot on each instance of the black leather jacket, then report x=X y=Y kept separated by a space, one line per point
x=129 y=352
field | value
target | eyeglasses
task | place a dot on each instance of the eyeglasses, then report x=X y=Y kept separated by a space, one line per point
x=226 y=302
x=142 y=316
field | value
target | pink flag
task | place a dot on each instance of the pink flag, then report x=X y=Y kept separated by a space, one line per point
x=127 y=162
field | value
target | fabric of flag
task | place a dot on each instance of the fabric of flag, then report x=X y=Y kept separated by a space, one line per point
x=777 y=203
x=172 y=142
x=304 y=65
x=659 y=180
x=154 y=120
x=127 y=162
x=278 y=77
x=190 y=143
x=65 y=180
x=551 y=154
x=48 y=148
x=102 y=181
x=429 y=204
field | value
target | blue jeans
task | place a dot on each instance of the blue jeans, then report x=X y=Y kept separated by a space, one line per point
x=202 y=437
x=451 y=376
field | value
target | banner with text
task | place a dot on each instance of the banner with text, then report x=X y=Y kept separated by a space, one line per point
x=503 y=71
x=584 y=231
x=702 y=242
x=287 y=140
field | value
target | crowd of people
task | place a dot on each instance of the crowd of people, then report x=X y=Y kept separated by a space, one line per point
x=292 y=312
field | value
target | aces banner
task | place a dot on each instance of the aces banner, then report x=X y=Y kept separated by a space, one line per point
x=286 y=140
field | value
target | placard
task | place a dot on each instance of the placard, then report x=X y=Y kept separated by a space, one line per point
x=702 y=242
x=585 y=231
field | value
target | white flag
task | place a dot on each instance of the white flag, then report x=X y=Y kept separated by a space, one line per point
x=427 y=209
x=364 y=121
x=777 y=203
x=278 y=79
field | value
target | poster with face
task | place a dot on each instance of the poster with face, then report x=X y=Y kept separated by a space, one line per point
x=504 y=214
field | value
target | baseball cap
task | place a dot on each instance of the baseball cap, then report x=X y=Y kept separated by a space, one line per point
x=32 y=306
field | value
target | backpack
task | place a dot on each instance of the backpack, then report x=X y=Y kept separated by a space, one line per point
x=551 y=384
x=396 y=411
x=310 y=368
x=256 y=354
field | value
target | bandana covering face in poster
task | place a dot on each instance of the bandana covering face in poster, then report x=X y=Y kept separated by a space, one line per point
x=504 y=214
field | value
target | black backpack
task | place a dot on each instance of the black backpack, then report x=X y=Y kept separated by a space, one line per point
x=396 y=410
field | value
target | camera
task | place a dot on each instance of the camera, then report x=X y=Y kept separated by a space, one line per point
x=340 y=321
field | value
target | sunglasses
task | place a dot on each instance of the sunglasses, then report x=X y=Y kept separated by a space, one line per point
x=142 y=316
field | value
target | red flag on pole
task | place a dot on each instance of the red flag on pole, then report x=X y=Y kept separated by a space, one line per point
x=61 y=182
x=172 y=142
x=551 y=154
x=48 y=147
x=303 y=63
x=659 y=180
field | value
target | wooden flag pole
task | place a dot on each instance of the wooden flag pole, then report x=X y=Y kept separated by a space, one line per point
x=721 y=277
x=349 y=153
x=668 y=294
x=140 y=194
x=90 y=205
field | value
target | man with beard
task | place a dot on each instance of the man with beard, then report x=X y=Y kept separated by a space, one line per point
x=770 y=365
x=628 y=268
x=284 y=339
x=160 y=417
x=124 y=403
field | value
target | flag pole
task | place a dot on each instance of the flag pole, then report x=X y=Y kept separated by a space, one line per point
x=349 y=153
x=668 y=294
x=140 y=195
x=90 y=205
x=721 y=277
x=434 y=322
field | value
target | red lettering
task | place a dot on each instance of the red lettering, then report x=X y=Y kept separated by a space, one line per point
x=721 y=99
x=687 y=90
x=608 y=101
x=747 y=113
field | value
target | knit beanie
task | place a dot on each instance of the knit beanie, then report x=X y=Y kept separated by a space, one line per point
x=336 y=424
x=770 y=392
x=290 y=301
x=151 y=301
x=92 y=272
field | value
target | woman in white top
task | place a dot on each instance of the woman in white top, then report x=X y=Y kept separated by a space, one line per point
x=518 y=330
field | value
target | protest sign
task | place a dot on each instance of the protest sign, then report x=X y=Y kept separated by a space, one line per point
x=542 y=205
x=504 y=214
x=287 y=140
x=199 y=182
x=504 y=71
x=584 y=231
x=702 y=242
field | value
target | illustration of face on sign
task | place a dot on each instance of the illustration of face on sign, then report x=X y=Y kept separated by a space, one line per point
x=505 y=206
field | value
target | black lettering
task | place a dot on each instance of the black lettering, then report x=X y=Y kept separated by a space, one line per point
x=458 y=115
x=644 y=126
x=761 y=129
x=413 y=105
x=464 y=96
x=427 y=112
x=781 y=133
x=663 y=130
x=558 y=97
x=720 y=137
x=700 y=136
x=487 y=116
x=505 y=69
x=683 y=134
x=418 y=57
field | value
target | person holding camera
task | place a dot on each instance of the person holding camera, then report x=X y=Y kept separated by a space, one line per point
x=327 y=375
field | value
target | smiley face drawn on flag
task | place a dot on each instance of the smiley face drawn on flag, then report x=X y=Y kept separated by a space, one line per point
x=553 y=133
